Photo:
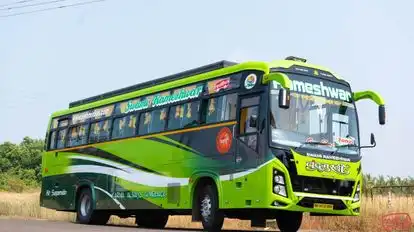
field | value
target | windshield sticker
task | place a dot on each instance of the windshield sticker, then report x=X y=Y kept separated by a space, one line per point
x=345 y=141
x=342 y=169
x=325 y=141
x=250 y=81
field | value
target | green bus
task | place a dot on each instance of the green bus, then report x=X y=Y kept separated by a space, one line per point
x=252 y=140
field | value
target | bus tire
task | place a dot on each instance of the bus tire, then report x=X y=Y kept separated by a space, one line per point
x=152 y=220
x=289 y=221
x=85 y=214
x=212 y=218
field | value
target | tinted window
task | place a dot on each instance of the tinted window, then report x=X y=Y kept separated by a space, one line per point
x=52 y=140
x=63 y=123
x=124 y=127
x=54 y=124
x=152 y=121
x=61 y=138
x=77 y=135
x=221 y=108
x=99 y=131
x=183 y=115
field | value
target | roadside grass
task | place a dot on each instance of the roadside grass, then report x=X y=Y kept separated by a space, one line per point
x=26 y=205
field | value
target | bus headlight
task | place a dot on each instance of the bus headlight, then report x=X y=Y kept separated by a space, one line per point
x=280 y=189
x=279 y=186
x=279 y=180
x=357 y=194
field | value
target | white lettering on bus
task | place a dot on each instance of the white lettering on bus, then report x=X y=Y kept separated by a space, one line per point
x=319 y=90
x=87 y=115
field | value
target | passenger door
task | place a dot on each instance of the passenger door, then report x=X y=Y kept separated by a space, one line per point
x=247 y=132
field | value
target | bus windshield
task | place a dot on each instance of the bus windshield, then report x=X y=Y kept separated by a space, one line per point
x=321 y=115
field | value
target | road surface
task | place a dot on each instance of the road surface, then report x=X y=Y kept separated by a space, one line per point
x=22 y=225
x=31 y=225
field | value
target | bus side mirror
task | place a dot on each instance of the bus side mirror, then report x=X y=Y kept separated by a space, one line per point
x=253 y=121
x=381 y=114
x=373 y=143
x=284 y=98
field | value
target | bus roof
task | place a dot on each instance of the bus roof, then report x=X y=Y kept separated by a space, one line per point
x=205 y=72
x=158 y=81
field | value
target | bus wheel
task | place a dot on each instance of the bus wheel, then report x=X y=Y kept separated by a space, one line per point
x=211 y=216
x=152 y=220
x=289 y=221
x=85 y=213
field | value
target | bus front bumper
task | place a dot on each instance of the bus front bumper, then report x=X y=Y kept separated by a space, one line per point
x=317 y=204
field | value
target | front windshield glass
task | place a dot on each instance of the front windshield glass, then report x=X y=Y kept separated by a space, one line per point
x=321 y=115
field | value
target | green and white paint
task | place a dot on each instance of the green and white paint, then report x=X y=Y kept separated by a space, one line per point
x=161 y=171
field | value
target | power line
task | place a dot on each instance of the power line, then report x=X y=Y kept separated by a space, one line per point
x=51 y=8
x=30 y=5
x=15 y=3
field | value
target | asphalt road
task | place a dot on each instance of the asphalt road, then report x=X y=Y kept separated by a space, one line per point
x=20 y=225
x=31 y=225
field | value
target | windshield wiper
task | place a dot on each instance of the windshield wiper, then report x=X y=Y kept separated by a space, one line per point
x=347 y=145
x=316 y=142
x=341 y=146
x=312 y=142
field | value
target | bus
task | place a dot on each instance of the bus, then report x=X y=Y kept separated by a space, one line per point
x=250 y=140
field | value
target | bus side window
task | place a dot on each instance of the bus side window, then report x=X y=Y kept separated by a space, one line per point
x=61 y=139
x=73 y=136
x=99 y=132
x=124 y=127
x=52 y=141
x=145 y=123
x=77 y=135
x=221 y=108
x=184 y=115
x=153 y=121
x=158 y=120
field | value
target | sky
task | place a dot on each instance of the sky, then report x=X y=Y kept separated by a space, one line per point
x=51 y=58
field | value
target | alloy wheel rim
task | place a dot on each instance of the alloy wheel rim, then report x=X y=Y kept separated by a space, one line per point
x=85 y=205
x=206 y=208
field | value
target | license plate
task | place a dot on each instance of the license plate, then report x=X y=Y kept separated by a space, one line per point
x=322 y=206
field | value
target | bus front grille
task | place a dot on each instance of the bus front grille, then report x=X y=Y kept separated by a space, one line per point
x=322 y=186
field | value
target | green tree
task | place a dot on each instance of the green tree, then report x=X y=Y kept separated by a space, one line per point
x=20 y=163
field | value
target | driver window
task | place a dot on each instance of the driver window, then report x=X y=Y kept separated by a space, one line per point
x=245 y=116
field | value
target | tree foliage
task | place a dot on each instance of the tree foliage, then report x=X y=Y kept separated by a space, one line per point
x=20 y=164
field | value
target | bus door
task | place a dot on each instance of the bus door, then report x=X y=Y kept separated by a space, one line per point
x=247 y=131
